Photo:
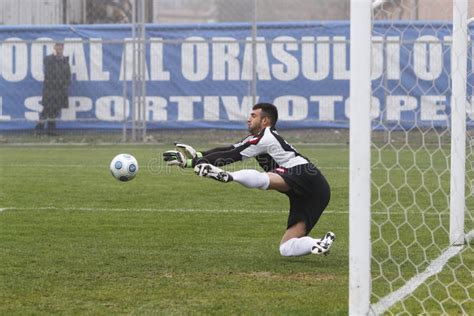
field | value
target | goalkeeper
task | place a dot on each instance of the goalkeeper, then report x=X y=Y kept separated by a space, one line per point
x=285 y=170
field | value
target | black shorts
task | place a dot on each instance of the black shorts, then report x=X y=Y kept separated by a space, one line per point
x=309 y=194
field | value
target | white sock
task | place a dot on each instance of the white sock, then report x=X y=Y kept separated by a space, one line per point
x=297 y=246
x=251 y=178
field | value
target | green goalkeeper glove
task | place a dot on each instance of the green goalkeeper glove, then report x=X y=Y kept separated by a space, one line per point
x=176 y=158
x=188 y=151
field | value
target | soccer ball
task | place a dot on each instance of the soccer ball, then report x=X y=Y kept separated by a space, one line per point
x=124 y=167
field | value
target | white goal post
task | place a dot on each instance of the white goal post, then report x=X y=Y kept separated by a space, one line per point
x=458 y=122
x=359 y=158
x=430 y=169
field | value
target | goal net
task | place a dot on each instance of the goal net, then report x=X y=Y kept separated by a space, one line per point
x=421 y=157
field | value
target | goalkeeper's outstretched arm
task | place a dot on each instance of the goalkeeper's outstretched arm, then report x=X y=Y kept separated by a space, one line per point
x=220 y=157
x=217 y=149
x=190 y=152
x=187 y=157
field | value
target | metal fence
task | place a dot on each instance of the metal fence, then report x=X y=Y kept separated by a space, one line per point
x=172 y=64
x=50 y=21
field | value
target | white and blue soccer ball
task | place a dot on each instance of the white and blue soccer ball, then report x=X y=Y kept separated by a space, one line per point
x=124 y=167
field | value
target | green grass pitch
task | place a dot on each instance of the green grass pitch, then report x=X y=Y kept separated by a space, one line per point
x=73 y=240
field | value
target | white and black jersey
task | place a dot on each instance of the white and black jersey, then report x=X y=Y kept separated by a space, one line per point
x=309 y=192
x=268 y=147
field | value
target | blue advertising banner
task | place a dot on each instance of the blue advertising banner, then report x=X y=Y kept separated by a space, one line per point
x=200 y=76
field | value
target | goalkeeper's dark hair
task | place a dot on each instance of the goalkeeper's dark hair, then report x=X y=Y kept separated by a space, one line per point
x=268 y=110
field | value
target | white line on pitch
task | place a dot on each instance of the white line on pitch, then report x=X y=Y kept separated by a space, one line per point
x=102 y=209
x=191 y=210
x=434 y=268
x=3 y=209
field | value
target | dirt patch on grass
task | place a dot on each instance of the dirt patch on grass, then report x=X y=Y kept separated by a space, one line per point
x=287 y=277
x=257 y=275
